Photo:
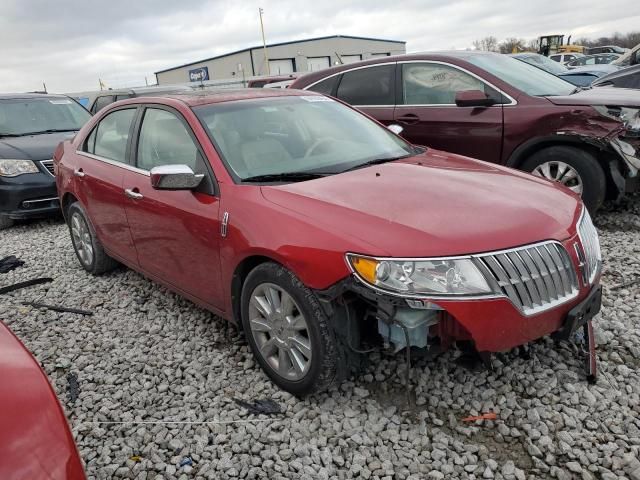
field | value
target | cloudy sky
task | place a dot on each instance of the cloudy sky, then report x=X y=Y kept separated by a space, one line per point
x=69 y=44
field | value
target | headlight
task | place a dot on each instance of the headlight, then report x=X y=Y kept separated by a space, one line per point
x=630 y=117
x=13 y=168
x=436 y=277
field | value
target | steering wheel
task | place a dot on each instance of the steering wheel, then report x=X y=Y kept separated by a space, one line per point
x=315 y=145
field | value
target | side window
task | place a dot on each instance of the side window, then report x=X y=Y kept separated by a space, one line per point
x=368 y=86
x=122 y=97
x=436 y=84
x=326 y=86
x=101 y=102
x=164 y=140
x=111 y=135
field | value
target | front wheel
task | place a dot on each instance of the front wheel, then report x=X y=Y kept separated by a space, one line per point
x=576 y=169
x=288 y=331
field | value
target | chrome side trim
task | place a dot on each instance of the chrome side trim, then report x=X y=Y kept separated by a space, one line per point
x=512 y=101
x=113 y=162
x=224 y=224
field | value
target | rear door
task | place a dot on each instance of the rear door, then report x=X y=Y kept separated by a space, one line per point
x=176 y=232
x=428 y=113
x=371 y=89
x=98 y=169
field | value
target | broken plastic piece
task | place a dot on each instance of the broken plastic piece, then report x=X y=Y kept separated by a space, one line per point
x=73 y=387
x=28 y=283
x=56 y=308
x=135 y=458
x=484 y=416
x=10 y=263
x=186 y=461
x=264 y=406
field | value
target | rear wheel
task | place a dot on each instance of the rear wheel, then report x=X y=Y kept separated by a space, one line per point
x=288 y=331
x=576 y=169
x=88 y=248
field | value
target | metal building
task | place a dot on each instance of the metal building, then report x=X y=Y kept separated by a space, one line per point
x=284 y=58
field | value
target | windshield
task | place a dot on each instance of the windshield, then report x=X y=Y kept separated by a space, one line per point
x=526 y=78
x=301 y=134
x=544 y=63
x=24 y=116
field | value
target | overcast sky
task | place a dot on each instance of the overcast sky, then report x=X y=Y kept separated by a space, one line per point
x=69 y=44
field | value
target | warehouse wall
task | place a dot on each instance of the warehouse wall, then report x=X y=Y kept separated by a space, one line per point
x=223 y=67
x=326 y=47
x=227 y=67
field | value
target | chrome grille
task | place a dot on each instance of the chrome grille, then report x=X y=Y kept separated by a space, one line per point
x=591 y=246
x=48 y=164
x=535 y=278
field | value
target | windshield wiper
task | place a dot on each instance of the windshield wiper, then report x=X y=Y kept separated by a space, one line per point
x=375 y=161
x=276 y=177
x=49 y=130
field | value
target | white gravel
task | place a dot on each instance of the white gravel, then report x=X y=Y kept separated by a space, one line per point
x=148 y=358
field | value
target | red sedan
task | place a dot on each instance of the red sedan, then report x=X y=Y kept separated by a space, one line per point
x=35 y=441
x=317 y=230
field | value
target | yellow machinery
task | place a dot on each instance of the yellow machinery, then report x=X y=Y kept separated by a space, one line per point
x=550 y=44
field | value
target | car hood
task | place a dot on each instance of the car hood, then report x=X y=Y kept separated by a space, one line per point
x=432 y=205
x=32 y=147
x=629 y=77
x=600 y=96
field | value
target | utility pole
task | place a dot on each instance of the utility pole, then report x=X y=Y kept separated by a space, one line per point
x=264 y=43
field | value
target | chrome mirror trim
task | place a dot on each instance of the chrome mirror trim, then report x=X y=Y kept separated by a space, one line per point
x=174 y=177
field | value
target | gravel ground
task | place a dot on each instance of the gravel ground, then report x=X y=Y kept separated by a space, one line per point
x=157 y=377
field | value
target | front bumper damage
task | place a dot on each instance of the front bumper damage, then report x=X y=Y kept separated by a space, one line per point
x=490 y=325
x=629 y=154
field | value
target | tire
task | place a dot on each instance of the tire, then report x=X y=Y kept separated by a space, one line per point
x=98 y=261
x=320 y=369
x=5 y=222
x=590 y=174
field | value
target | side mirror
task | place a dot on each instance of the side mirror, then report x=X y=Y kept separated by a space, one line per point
x=395 y=128
x=174 y=177
x=473 y=98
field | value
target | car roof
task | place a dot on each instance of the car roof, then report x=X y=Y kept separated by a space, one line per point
x=206 y=97
x=21 y=96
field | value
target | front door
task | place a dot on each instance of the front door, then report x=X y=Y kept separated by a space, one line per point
x=99 y=168
x=428 y=113
x=176 y=232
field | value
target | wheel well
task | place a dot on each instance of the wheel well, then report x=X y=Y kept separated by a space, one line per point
x=67 y=200
x=598 y=153
x=239 y=276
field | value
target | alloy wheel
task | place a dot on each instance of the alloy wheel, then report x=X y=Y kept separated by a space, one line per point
x=280 y=331
x=560 y=172
x=82 y=238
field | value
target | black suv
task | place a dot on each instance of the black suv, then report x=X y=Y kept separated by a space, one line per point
x=31 y=127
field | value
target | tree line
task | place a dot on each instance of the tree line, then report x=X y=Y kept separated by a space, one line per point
x=508 y=45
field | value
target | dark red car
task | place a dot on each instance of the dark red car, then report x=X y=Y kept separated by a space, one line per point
x=317 y=230
x=35 y=440
x=495 y=108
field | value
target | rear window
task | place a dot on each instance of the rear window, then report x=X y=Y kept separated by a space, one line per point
x=326 y=86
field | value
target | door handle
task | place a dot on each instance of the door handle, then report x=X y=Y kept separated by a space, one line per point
x=79 y=173
x=408 y=119
x=131 y=193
